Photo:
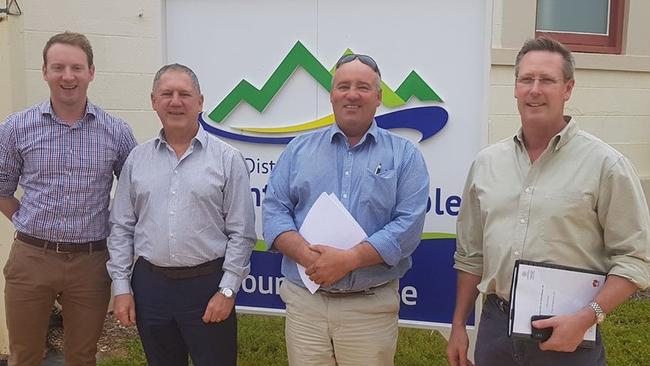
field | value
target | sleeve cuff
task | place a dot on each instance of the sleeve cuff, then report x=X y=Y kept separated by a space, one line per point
x=230 y=280
x=271 y=234
x=121 y=287
x=637 y=273
x=470 y=265
x=383 y=244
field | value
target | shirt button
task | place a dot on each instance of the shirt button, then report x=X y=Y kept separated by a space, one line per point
x=517 y=253
x=172 y=235
x=349 y=152
x=523 y=221
x=173 y=192
x=347 y=172
x=345 y=195
x=175 y=171
x=171 y=212
x=69 y=173
x=527 y=190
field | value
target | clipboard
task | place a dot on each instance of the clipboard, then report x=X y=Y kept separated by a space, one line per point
x=550 y=289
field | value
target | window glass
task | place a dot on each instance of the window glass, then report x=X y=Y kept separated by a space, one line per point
x=575 y=16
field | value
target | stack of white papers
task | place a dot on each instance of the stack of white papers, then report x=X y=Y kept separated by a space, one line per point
x=329 y=223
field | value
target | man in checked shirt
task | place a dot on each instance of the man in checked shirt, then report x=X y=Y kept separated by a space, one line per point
x=64 y=152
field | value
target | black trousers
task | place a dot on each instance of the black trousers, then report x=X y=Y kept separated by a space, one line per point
x=495 y=348
x=168 y=315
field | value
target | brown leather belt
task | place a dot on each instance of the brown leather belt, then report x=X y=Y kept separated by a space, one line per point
x=182 y=273
x=338 y=293
x=63 y=247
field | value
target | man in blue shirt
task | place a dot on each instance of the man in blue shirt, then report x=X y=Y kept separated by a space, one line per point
x=382 y=180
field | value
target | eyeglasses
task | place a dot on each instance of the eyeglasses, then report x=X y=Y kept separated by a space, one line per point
x=529 y=81
x=364 y=59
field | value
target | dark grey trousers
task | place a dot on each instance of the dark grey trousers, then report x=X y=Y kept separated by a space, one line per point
x=495 y=348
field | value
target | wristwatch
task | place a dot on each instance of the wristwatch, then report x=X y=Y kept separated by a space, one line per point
x=228 y=293
x=600 y=314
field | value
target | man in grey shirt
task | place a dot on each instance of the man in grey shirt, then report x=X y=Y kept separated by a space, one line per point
x=183 y=208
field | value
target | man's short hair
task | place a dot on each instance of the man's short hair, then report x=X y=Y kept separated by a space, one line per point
x=551 y=45
x=176 y=67
x=72 y=39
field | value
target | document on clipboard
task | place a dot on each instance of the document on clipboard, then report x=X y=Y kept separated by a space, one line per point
x=549 y=289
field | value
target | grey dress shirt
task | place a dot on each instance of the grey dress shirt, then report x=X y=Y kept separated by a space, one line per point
x=579 y=204
x=182 y=212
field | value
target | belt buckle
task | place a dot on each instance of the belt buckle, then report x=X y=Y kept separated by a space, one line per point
x=60 y=251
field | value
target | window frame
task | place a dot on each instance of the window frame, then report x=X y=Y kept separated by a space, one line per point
x=612 y=43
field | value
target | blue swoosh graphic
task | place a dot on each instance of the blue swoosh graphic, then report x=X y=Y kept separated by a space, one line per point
x=427 y=120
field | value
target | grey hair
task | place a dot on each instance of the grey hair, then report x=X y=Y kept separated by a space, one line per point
x=551 y=45
x=176 y=67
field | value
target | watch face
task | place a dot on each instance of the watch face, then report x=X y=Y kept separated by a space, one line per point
x=227 y=292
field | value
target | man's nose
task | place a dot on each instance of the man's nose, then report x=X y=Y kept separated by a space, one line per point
x=535 y=88
x=67 y=73
x=176 y=98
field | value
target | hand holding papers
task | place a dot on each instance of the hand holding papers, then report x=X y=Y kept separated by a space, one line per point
x=546 y=289
x=329 y=223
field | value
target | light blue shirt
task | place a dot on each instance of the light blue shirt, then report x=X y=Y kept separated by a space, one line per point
x=382 y=181
x=182 y=212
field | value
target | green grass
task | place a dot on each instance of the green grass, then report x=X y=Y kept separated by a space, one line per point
x=626 y=333
x=261 y=341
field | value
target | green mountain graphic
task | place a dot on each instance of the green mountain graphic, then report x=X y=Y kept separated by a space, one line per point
x=413 y=85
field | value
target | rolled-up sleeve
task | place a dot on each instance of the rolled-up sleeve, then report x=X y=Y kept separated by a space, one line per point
x=623 y=214
x=277 y=208
x=469 y=229
x=401 y=236
x=120 y=244
x=11 y=162
x=239 y=223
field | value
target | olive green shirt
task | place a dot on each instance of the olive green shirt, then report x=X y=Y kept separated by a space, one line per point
x=579 y=204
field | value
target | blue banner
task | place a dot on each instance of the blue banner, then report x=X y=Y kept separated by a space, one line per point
x=427 y=291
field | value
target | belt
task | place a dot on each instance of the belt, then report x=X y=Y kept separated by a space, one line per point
x=63 y=247
x=183 y=273
x=500 y=303
x=341 y=293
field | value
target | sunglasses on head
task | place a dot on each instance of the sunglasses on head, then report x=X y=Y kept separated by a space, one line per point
x=364 y=59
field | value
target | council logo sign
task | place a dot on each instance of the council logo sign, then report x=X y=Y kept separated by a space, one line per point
x=428 y=120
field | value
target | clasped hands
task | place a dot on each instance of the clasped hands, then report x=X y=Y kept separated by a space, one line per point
x=327 y=265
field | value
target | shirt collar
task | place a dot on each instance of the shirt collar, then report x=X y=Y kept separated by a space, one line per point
x=334 y=130
x=201 y=137
x=46 y=108
x=559 y=140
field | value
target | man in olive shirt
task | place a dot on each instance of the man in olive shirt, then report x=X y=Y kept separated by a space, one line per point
x=554 y=194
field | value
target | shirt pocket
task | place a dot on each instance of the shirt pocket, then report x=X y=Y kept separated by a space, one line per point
x=379 y=192
x=568 y=217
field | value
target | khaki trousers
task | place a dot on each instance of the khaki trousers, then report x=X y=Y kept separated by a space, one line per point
x=34 y=277
x=344 y=330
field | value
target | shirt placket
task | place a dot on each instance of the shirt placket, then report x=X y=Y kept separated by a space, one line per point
x=173 y=202
x=68 y=184
x=527 y=190
x=346 y=178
